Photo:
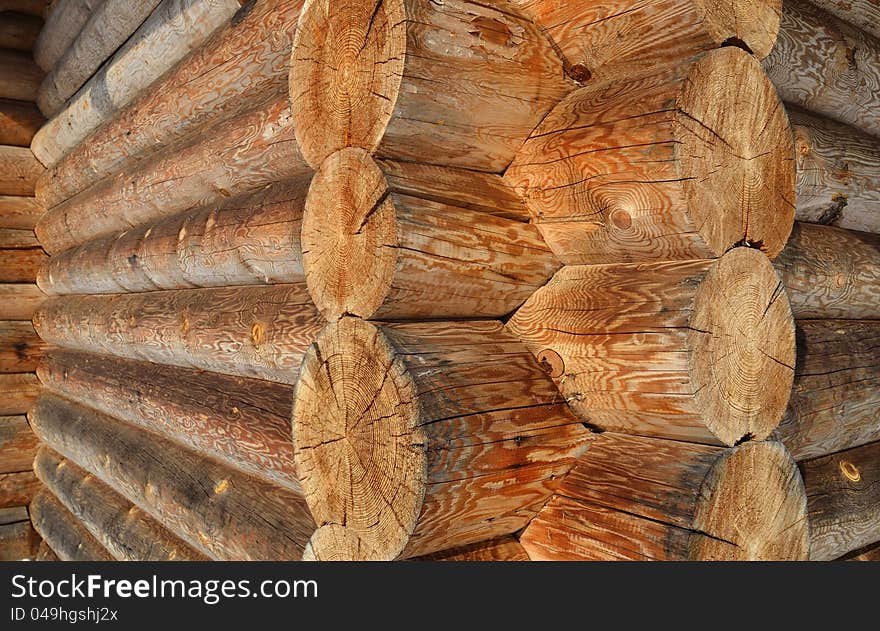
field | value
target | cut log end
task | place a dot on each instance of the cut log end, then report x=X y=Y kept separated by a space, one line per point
x=753 y=507
x=750 y=24
x=338 y=543
x=742 y=344
x=346 y=69
x=358 y=443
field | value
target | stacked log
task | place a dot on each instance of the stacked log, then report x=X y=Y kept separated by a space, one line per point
x=64 y=21
x=18 y=540
x=864 y=14
x=62 y=531
x=19 y=31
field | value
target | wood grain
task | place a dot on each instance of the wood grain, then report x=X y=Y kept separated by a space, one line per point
x=18 y=444
x=19 y=121
x=20 y=77
x=18 y=31
x=865 y=14
x=19 y=170
x=20 y=348
x=21 y=266
x=17 y=489
x=18 y=392
x=45 y=553
x=30 y=7
x=503 y=549
x=63 y=532
x=20 y=301
x=64 y=21
x=18 y=540
x=19 y=212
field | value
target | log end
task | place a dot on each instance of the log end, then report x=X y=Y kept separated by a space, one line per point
x=338 y=543
x=750 y=24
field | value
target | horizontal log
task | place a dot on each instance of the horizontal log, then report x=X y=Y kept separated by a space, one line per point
x=632 y=498
x=843 y=499
x=18 y=392
x=222 y=513
x=20 y=347
x=865 y=14
x=244 y=423
x=19 y=170
x=243 y=63
x=18 y=302
x=466 y=437
x=175 y=28
x=259 y=332
x=18 y=444
x=17 y=489
x=240 y=156
x=19 y=121
x=249 y=240
x=63 y=532
x=701 y=351
x=45 y=553
x=503 y=549
x=869 y=553
x=30 y=7
x=18 y=31
x=419 y=257
x=18 y=540
x=838 y=173
x=21 y=266
x=19 y=212
x=664 y=166
x=826 y=66
x=11 y=239
x=831 y=273
x=64 y=21
x=835 y=402
x=20 y=77
x=124 y=530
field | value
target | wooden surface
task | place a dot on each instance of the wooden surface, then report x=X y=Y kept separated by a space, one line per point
x=19 y=121
x=18 y=302
x=18 y=31
x=20 y=77
x=17 y=489
x=65 y=20
x=30 y=7
x=18 y=392
x=19 y=212
x=18 y=540
x=21 y=266
x=63 y=532
x=20 y=348
x=11 y=239
x=869 y=553
x=503 y=549
x=864 y=14
x=45 y=553
x=19 y=170
x=18 y=444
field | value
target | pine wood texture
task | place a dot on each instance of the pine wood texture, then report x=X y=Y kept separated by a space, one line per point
x=503 y=549
x=63 y=532
x=864 y=14
x=20 y=77
x=259 y=332
x=19 y=302
x=416 y=438
x=17 y=239
x=18 y=31
x=831 y=273
x=17 y=489
x=838 y=167
x=682 y=164
x=124 y=530
x=21 y=266
x=249 y=240
x=20 y=348
x=417 y=258
x=65 y=20
x=244 y=423
x=18 y=392
x=18 y=444
x=456 y=83
x=19 y=212
x=221 y=513
x=19 y=170
x=843 y=498
x=19 y=121
x=640 y=499
x=244 y=62
x=826 y=66
x=701 y=351
x=18 y=540
x=835 y=402
x=174 y=29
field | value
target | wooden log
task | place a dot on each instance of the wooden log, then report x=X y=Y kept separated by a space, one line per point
x=124 y=530
x=38 y=8
x=864 y=14
x=19 y=302
x=19 y=212
x=20 y=348
x=838 y=173
x=418 y=258
x=45 y=553
x=503 y=549
x=243 y=63
x=604 y=40
x=243 y=423
x=831 y=273
x=18 y=541
x=175 y=28
x=826 y=66
x=18 y=392
x=221 y=513
x=63 y=532
x=19 y=121
x=17 y=489
x=21 y=266
x=64 y=22
x=18 y=444
x=109 y=26
x=835 y=402
x=11 y=239
x=18 y=31
x=642 y=499
x=457 y=83
x=20 y=77
x=13 y=515
x=843 y=499
x=250 y=240
x=19 y=170
x=702 y=351
x=415 y=438
x=682 y=164
x=259 y=332
x=869 y=553
x=240 y=156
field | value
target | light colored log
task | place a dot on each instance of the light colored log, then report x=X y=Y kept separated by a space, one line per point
x=701 y=351
x=503 y=549
x=19 y=212
x=17 y=489
x=64 y=22
x=20 y=77
x=18 y=31
x=21 y=266
x=827 y=66
x=20 y=348
x=865 y=14
x=174 y=29
x=19 y=121
x=18 y=444
x=63 y=532
x=17 y=239
x=415 y=438
x=18 y=392
x=20 y=301
x=457 y=83
x=224 y=514
x=642 y=499
x=18 y=540
x=19 y=170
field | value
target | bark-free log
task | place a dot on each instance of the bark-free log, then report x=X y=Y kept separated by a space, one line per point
x=827 y=66
x=238 y=67
x=831 y=273
x=18 y=392
x=259 y=332
x=19 y=121
x=19 y=170
x=864 y=14
x=220 y=512
x=18 y=302
x=124 y=530
x=504 y=549
x=838 y=173
x=19 y=76
x=63 y=532
x=634 y=498
x=242 y=422
x=605 y=39
x=457 y=83
x=17 y=489
x=65 y=20
x=11 y=239
x=701 y=351
x=239 y=156
x=18 y=444
x=835 y=402
x=30 y=7
x=18 y=541
x=18 y=31
x=416 y=438
x=416 y=258
x=869 y=553
x=682 y=164
x=19 y=212
x=21 y=266
x=20 y=348
x=174 y=29
x=45 y=553
x=843 y=499
x=251 y=240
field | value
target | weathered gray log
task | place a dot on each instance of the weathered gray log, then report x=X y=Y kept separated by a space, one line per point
x=65 y=20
